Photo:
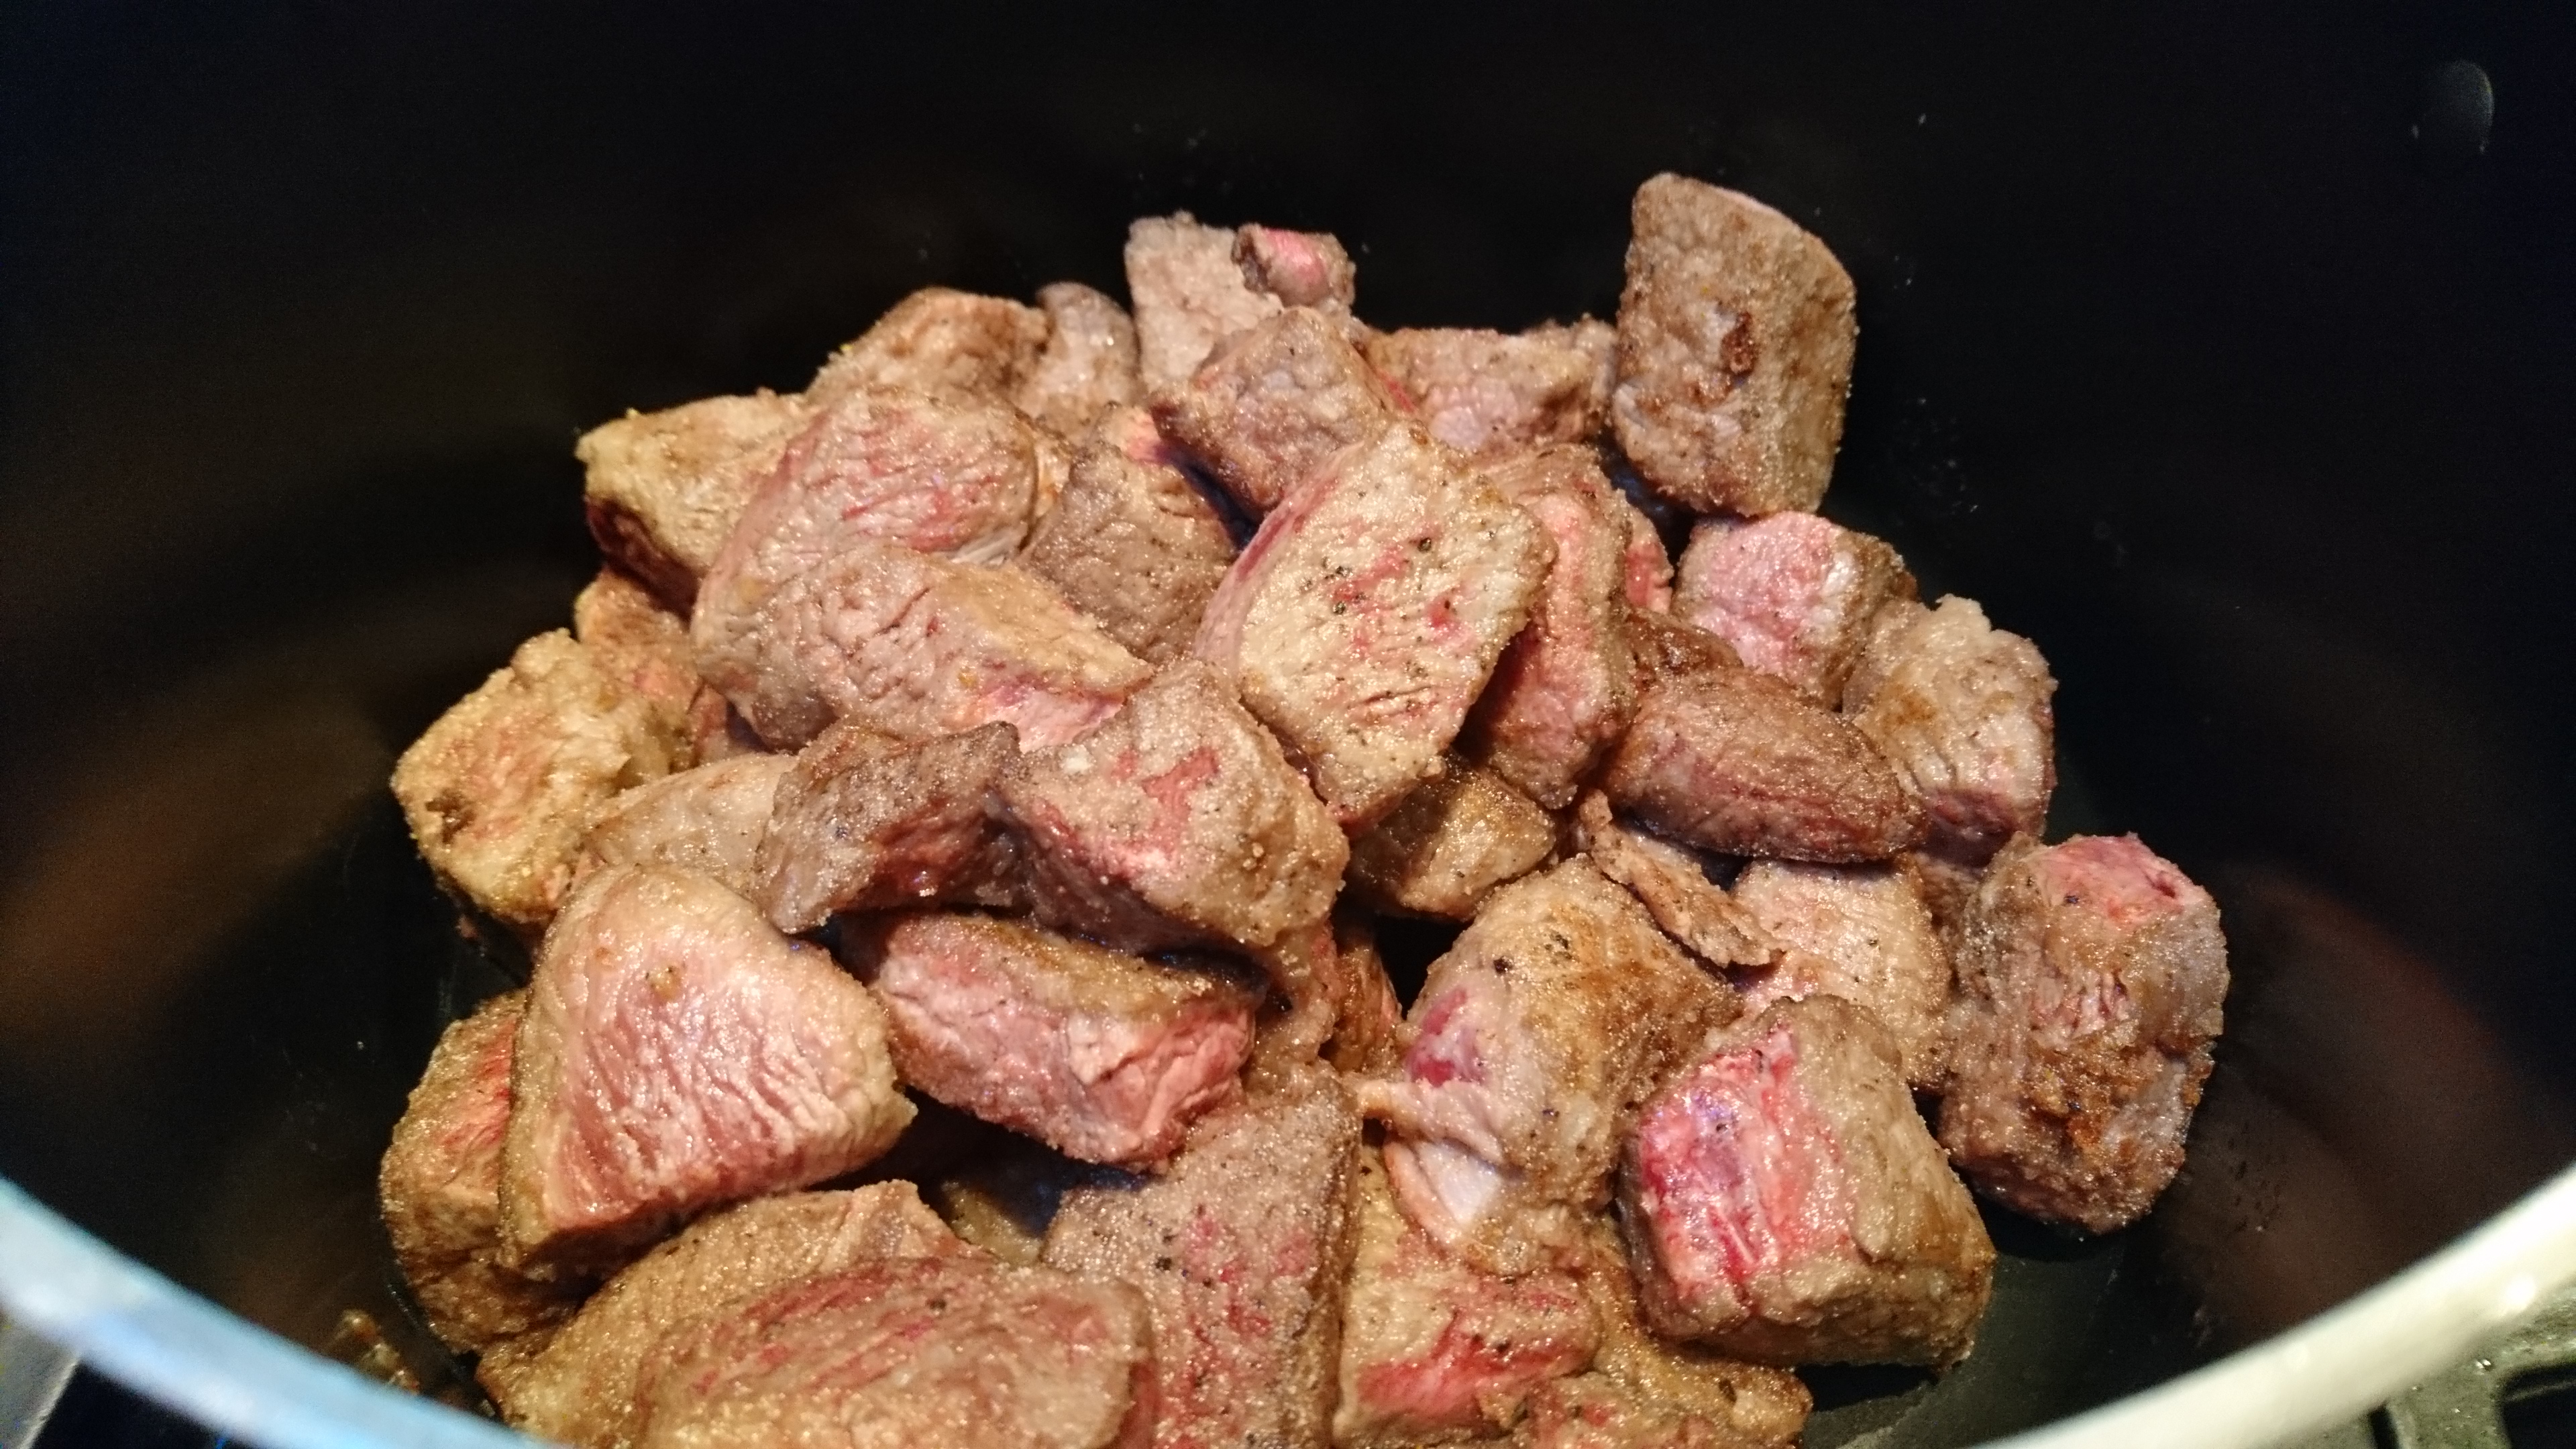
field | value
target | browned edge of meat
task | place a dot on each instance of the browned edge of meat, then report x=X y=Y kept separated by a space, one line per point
x=1269 y=408
x=938 y=340
x=1674 y=887
x=1449 y=844
x=1088 y=365
x=1133 y=543
x=709 y=820
x=864 y=822
x=1861 y=933
x=1963 y=710
x=664 y=489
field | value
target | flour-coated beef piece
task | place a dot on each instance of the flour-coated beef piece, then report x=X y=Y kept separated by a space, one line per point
x=1135 y=542
x=938 y=340
x=866 y=822
x=1962 y=709
x=1792 y=592
x=1088 y=365
x=1272 y=406
x=1858 y=932
x=664 y=490
x=709 y=820
x=1449 y=844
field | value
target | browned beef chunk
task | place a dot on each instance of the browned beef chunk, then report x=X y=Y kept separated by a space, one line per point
x=665 y=489
x=1366 y=615
x=440 y=1188
x=1491 y=393
x=1449 y=844
x=1435 y=1351
x=1962 y=709
x=1675 y=889
x=1737 y=762
x=910 y=1351
x=580 y=1388
x=1668 y=647
x=645 y=647
x=915 y=646
x=1368 y=1029
x=1309 y=989
x=1195 y=286
x=953 y=476
x=1134 y=543
x=865 y=822
x=1859 y=933
x=1240 y=1248
x=938 y=341
x=500 y=789
x=1735 y=351
x=1088 y=366
x=709 y=820
x=678 y=1054
x=1562 y=693
x=1648 y=582
x=1785 y=1204
x=1793 y=593
x=1270 y=408
x=2090 y=981
x=1178 y=822
x=1103 y=1056
x=1534 y=1039
x=1943 y=885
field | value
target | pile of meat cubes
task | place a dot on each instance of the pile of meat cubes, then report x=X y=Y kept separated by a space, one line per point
x=951 y=837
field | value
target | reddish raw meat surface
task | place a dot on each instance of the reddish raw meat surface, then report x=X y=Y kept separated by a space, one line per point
x=1134 y=543
x=1300 y=268
x=1792 y=593
x=1274 y=405
x=865 y=822
x=677 y=1054
x=1962 y=709
x=665 y=489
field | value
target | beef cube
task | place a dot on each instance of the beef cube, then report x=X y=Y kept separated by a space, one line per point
x=1192 y=290
x=1435 y=1351
x=1241 y=1248
x=1449 y=844
x=645 y=646
x=1368 y=1027
x=1134 y=543
x=1368 y=612
x=1670 y=648
x=1735 y=351
x=951 y=476
x=1309 y=990
x=1488 y=393
x=440 y=1186
x=927 y=1351
x=709 y=820
x=1859 y=933
x=2091 y=976
x=914 y=646
x=1784 y=1203
x=1100 y=1055
x=499 y=790
x=580 y=1388
x=1088 y=366
x=1792 y=593
x=665 y=489
x=1534 y=1039
x=865 y=822
x=1270 y=408
x=678 y=1054
x=1962 y=710
x=938 y=341
x=1943 y=885
x=1674 y=887
x=1738 y=762
x=1562 y=693
x=1178 y=822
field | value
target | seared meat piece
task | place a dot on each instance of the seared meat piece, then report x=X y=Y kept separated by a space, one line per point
x=1673 y=887
x=665 y=489
x=1943 y=885
x=1435 y=1351
x=1368 y=1031
x=677 y=1054
x=1308 y=992
x=938 y=341
x=500 y=789
x=1648 y=581
x=1784 y=1203
x=1003 y=1197
x=1134 y=543
x=1859 y=933
x=1667 y=647
x=709 y=820
x=1962 y=709
x=915 y=646
x=1563 y=692
x=1534 y=1039
x=1178 y=822
x=1102 y=1056
x=1450 y=842
x=1485 y=392
x=581 y=1387
x=1195 y=286
x=910 y=1351
x=864 y=822
x=1367 y=613
x=1736 y=762
x=954 y=476
x=1735 y=351
x=645 y=646
x=440 y=1188
x=1793 y=593
x=1088 y=366
x=1272 y=406
x=1241 y=1248
x=2090 y=980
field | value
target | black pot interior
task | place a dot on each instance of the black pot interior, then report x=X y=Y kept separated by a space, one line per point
x=2226 y=354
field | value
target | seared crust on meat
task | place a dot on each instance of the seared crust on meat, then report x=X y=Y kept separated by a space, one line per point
x=1088 y=365
x=709 y=820
x=1492 y=393
x=1272 y=406
x=939 y=340
x=1449 y=844
x=1670 y=883
x=1195 y=286
x=1133 y=543
x=645 y=647
x=665 y=489
x=1859 y=933
x=865 y=822
x=1962 y=708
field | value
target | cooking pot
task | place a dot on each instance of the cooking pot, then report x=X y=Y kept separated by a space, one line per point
x=2223 y=350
